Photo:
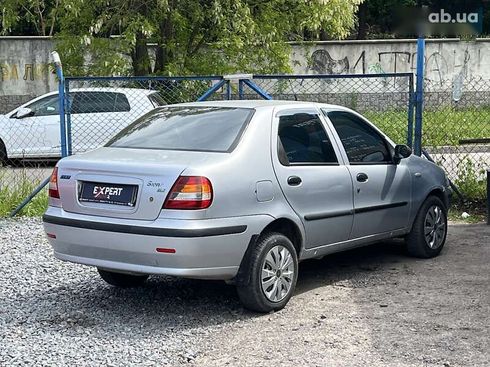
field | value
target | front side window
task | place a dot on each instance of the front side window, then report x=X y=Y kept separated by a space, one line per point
x=97 y=102
x=213 y=129
x=303 y=140
x=361 y=142
x=45 y=107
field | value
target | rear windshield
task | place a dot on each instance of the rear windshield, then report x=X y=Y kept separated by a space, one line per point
x=212 y=129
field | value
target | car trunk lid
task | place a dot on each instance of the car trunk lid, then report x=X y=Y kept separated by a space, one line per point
x=120 y=182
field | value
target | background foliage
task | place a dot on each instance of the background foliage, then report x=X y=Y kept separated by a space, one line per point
x=168 y=37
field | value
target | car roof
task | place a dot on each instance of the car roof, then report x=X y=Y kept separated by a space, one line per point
x=259 y=103
x=106 y=89
x=112 y=89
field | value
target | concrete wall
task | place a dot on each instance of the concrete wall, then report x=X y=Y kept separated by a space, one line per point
x=25 y=70
x=445 y=59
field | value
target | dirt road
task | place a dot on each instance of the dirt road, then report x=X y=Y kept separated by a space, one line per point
x=368 y=307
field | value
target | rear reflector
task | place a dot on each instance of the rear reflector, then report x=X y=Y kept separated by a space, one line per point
x=51 y=235
x=166 y=250
x=190 y=192
x=53 y=184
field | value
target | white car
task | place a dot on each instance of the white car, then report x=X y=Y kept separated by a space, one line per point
x=33 y=129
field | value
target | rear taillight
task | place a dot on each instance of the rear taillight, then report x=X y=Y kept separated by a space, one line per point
x=190 y=192
x=53 y=184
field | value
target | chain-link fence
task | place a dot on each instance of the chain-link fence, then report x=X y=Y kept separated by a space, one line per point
x=383 y=99
x=456 y=119
x=456 y=131
x=29 y=146
x=96 y=109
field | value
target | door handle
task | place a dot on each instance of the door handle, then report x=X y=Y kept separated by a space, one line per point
x=362 y=177
x=294 y=180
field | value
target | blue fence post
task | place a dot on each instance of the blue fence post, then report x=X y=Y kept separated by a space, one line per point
x=211 y=90
x=411 y=102
x=61 y=95
x=257 y=89
x=419 y=95
x=68 y=116
x=240 y=89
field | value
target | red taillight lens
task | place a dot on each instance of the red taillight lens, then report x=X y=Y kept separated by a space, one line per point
x=53 y=184
x=190 y=192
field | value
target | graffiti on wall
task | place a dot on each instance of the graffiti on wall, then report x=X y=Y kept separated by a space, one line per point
x=437 y=65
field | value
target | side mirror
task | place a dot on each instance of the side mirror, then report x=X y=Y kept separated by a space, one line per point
x=24 y=112
x=401 y=151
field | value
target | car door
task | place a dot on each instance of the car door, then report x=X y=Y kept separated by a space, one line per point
x=313 y=178
x=382 y=189
x=38 y=134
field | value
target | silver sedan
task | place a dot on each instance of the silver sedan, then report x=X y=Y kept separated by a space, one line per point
x=241 y=191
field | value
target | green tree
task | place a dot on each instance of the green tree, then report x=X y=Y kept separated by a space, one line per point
x=29 y=17
x=193 y=36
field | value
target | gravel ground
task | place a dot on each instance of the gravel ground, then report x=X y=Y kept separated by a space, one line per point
x=368 y=307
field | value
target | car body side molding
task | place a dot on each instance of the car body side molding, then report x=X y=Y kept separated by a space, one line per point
x=379 y=207
x=146 y=231
x=342 y=213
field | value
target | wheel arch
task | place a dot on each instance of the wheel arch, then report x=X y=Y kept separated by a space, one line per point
x=288 y=228
x=436 y=191
x=439 y=193
x=283 y=225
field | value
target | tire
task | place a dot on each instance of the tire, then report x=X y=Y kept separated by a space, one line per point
x=273 y=291
x=429 y=230
x=122 y=280
x=3 y=154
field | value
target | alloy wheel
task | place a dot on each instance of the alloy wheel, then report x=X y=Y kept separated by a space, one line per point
x=435 y=227
x=277 y=273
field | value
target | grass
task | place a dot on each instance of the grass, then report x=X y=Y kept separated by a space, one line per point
x=10 y=197
x=476 y=215
x=471 y=179
x=441 y=127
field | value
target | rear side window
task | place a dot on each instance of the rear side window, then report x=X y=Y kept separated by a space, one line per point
x=303 y=140
x=212 y=129
x=97 y=102
x=361 y=142
x=156 y=100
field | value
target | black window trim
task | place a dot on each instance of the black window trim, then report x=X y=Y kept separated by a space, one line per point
x=303 y=164
x=74 y=93
x=387 y=145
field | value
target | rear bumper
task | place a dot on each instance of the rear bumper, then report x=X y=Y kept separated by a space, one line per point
x=207 y=249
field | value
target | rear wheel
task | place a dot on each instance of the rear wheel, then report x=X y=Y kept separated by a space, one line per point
x=272 y=273
x=122 y=280
x=3 y=154
x=429 y=230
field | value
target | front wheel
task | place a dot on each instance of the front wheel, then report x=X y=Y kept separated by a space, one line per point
x=428 y=234
x=122 y=280
x=272 y=272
